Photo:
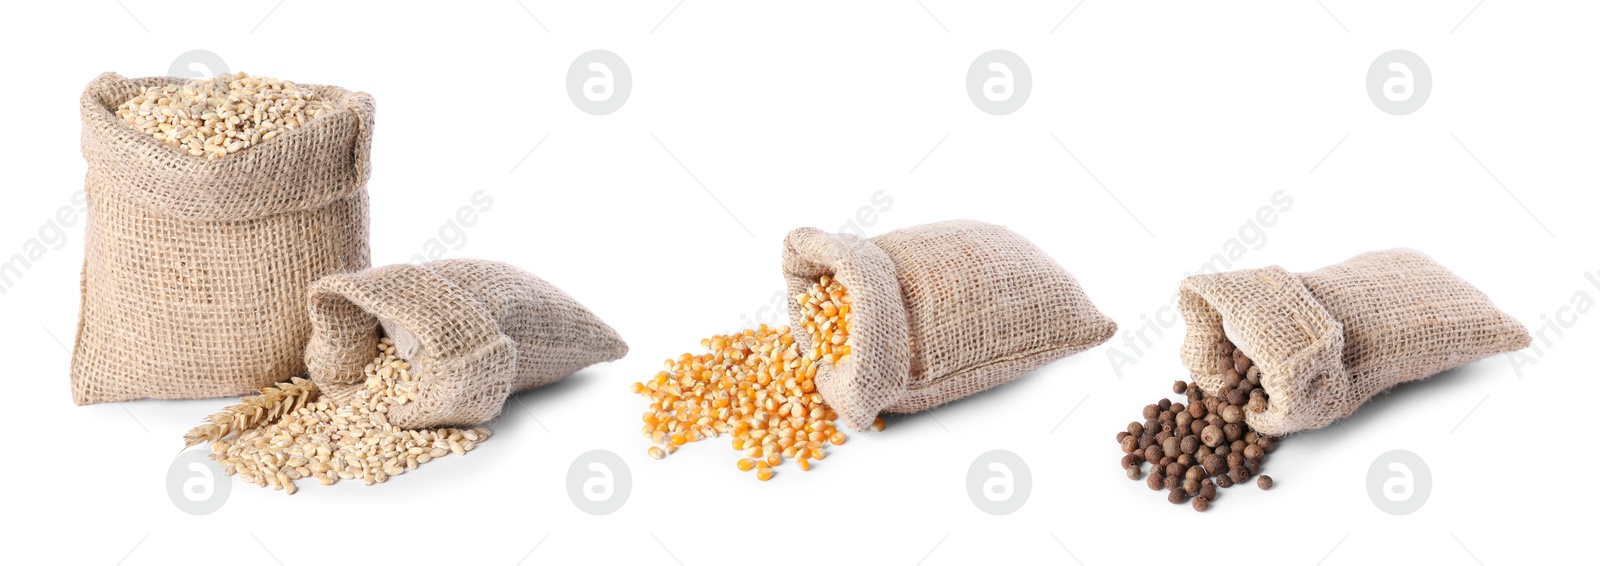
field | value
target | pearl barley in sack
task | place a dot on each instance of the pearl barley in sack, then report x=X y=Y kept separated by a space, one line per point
x=474 y=332
x=195 y=269
x=938 y=312
x=1328 y=340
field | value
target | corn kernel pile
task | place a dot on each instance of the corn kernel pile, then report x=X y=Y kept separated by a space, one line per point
x=757 y=387
x=827 y=310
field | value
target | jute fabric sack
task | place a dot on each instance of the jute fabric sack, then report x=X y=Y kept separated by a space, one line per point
x=1328 y=340
x=940 y=312
x=195 y=270
x=475 y=331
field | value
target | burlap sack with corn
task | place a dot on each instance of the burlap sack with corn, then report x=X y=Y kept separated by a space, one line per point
x=1328 y=340
x=940 y=312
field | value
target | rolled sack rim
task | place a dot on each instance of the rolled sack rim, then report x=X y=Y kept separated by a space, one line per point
x=879 y=360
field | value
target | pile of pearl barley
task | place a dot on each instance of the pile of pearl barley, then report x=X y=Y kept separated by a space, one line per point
x=218 y=117
x=1196 y=449
x=328 y=442
x=756 y=386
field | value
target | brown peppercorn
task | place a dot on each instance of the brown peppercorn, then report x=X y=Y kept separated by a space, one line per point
x=1257 y=404
x=1194 y=394
x=1162 y=436
x=1146 y=441
x=1234 y=432
x=1214 y=464
x=1164 y=404
x=1176 y=470
x=1235 y=459
x=1231 y=414
x=1201 y=504
x=1241 y=364
x=1250 y=437
x=1191 y=488
x=1231 y=381
x=1152 y=454
x=1266 y=443
x=1132 y=461
x=1130 y=444
x=1237 y=397
x=1178 y=408
x=1253 y=375
x=1185 y=459
x=1171 y=447
x=1190 y=443
x=1179 y=387
x=1134 y=473
x=1203 y=453
x=1197 y=426
x=1239 y=474
x=1221 y=450
x=1211 y=404
x=1155 y=480
x=1135 y=428
x=1236 y=445
x=1227 y=349
x=1172 y=483
x=1223 y=481
x=1183 y=420
x=1198 y=410
x=1253 y=452
x=1164 y=461
x=1208 y=489
x=1151 y=426
x=1176 y=497
x=1195 y=473
x=1211 y=436
x=1122 y=435
x=1167 y=426
x=1264 y=482
x=1252 y=466
x=1151 y=410
x=1215 y=419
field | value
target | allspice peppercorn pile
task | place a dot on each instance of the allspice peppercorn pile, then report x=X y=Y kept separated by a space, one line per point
x=1196 y=448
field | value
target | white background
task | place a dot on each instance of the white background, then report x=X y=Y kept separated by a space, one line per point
x=1191 y=114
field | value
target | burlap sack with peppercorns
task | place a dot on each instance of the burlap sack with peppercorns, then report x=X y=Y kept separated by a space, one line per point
x=195 y=269
x=1328 y=340
x=940 y=312
x=475 y=331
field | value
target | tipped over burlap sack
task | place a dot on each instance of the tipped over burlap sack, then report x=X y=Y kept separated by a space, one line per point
x=1328 y=340
x=939 y=312
x=475 y=331
x=195 y=270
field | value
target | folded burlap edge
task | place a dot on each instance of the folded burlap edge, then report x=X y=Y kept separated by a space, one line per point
x=874 y=375
x=1298 y=344
x=259 y=181
x=345 y=310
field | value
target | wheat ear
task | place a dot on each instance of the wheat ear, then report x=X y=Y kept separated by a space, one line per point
x=272 y=404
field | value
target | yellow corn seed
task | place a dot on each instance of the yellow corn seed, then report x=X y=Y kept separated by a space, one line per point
x=656 y=453
x=745 y=464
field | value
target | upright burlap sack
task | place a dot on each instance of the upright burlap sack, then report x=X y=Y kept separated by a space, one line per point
x=475 y=331
x=195 y=270
x=940 y=312
x=1328 y=340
